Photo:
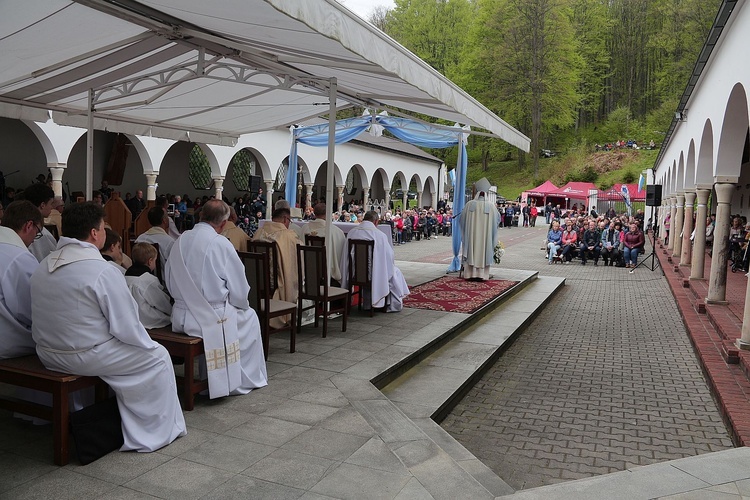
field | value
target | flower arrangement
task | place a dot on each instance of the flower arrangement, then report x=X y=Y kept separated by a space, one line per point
x=499 y=252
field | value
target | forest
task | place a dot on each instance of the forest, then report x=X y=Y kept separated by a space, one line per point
x=567 y=73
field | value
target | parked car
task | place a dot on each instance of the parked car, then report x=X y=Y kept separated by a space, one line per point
x=546 y=153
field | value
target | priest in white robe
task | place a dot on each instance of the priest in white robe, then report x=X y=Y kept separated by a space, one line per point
x=206 y=278
x=20 y=226
x=478 y=223
x=387 y=280
x=42 y=196
x=159 y=221
x=84 y=321
x=317 y=227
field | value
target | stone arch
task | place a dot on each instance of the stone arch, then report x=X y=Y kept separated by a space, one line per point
x=733 y=134
x=357 y=177
x=680 y=174
x=401 y=178
x=280 y=175
x=704 y=166
x=690 y=166
x=338 y=180
x=429 y=188
x=380 y=184
x=418 y=184
x=243 y=184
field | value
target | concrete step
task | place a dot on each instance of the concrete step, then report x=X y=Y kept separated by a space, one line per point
x=429 y=389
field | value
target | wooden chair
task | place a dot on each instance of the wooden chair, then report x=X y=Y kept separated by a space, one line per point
x=52 y=228
x=315 y=241
x=258 y=277
x=360 y=269
x=269 y=248
x=314 y=285
x=159 y=272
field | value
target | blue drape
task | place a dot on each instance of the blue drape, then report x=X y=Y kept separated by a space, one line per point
x=317 y=135
x=459 y=200
x=410 y=131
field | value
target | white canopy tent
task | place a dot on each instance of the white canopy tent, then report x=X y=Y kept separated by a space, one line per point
x=209 y=71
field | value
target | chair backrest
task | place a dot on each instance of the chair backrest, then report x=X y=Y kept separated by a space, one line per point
x=52 y=228
x=271 y=250
x=360 y=261
x=158 y=271
x=313 y=272
x=256 y=273
x=315 y=241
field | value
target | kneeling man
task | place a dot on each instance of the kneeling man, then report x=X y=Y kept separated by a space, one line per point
x=206 y=278
x=84 y=321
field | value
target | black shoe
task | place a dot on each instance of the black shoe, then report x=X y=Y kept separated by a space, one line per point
x=583 y=262
x=596 y=262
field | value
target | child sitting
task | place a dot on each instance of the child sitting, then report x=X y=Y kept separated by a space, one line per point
x=154 y=305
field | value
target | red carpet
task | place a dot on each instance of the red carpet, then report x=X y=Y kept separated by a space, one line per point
x=452 y=294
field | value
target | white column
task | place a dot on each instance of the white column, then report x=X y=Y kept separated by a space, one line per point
x=365 y=198
x=218 y=186
x=151 y=186
x=57 y=175
x=419 y=200
x=404 y=201
x=434 y=202
x=699 y=245
x=269 y=199
x=672 y=225
x=677 y=224
x=687 y=229
x=340 y=197
x=387 y=202
x=717 y=282
x=308 y=195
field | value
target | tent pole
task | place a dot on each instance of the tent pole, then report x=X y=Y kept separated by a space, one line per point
x=90 y=149
x=330 y=164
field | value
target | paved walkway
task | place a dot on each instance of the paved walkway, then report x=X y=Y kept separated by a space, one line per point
x=603 y=380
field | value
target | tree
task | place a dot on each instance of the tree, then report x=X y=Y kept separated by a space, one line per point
x=379 y=17
x=536 y=66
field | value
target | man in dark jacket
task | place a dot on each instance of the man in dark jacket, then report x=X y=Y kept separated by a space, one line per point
x=591 y=244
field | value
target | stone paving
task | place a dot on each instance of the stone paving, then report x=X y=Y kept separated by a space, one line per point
x=322 y=430
x=603 y=380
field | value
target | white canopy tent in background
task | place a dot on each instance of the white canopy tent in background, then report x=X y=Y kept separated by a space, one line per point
x=209 y=71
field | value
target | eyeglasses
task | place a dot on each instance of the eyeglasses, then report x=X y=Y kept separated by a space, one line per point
x=38 y=231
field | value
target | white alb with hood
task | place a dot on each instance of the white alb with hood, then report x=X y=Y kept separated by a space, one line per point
x=85 y=322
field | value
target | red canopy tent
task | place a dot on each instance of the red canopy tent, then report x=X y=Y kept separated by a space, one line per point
x=538 y=194
x=572 y=191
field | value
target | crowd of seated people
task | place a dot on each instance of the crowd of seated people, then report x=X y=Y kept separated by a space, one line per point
x=616 y=241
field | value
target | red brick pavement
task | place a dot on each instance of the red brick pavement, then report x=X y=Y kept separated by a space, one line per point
x=713 y=331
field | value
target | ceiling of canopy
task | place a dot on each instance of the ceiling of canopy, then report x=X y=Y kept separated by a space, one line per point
x=209 y=71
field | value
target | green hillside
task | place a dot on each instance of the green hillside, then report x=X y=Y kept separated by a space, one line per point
x=603 y=168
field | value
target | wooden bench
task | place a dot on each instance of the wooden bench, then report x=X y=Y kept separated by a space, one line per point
x=183 y=346
x=29 y=372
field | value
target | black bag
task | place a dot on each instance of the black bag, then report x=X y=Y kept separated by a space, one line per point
x=97 y=430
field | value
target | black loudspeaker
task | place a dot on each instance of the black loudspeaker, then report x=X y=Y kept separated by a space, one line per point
x=255 y=183
x=653 y=195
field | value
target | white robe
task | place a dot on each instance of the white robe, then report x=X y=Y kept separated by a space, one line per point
x=386 y=277
x=220 y=276
x=317 y=227
x=173 y=232
x=160 y=237
x=16 y=266
x=43 y=246
x=154 y=306
x=478 y=223
x=84 y=321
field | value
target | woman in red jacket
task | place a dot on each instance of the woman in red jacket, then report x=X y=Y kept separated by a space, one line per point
x=569 y=241
x=633 y=241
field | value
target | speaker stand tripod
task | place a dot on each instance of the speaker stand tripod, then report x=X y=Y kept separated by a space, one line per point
x=652 y=256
